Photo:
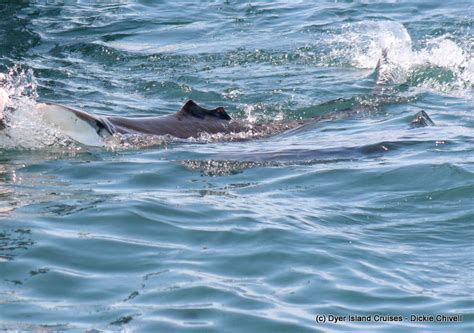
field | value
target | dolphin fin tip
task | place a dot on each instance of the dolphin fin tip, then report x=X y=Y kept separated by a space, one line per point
x=421 y=120
x=192 y=109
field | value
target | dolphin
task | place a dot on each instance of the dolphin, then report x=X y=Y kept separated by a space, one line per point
x=190 y=121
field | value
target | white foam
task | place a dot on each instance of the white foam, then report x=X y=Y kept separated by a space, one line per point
x=362 y=45
x=3 y=101
x=26 y=129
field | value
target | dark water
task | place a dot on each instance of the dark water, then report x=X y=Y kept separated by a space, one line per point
x=356 y=215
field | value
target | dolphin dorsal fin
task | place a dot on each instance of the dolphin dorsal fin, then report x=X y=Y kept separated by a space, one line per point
x=192 y=109
x=421 y=120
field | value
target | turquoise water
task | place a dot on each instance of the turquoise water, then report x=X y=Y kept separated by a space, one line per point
x=356 y=215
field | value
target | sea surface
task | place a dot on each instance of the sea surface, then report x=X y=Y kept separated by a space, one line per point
x=361 y=214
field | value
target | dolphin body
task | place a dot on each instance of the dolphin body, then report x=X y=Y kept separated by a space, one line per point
x=190 y=121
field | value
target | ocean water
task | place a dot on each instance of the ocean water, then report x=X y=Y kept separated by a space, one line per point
x=358 y=215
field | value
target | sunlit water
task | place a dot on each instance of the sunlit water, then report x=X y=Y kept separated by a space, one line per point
x=360 y=214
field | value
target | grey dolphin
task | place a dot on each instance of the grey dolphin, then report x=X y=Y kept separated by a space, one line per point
x=190 y=121
x=421 y=119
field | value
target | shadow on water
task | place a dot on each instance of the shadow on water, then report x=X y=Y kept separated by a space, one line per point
x=235 y=162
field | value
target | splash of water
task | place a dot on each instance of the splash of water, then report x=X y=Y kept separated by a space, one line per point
x=26 y=129
x=363 y=44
